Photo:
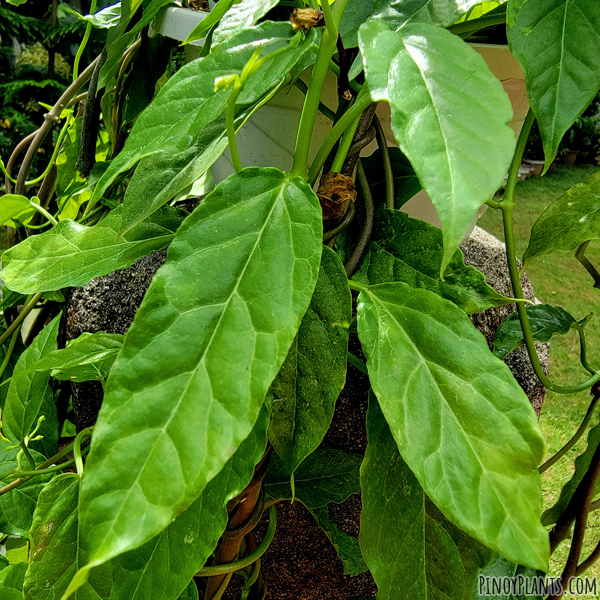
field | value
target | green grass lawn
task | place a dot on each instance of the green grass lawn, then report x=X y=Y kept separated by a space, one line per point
x=559 y=279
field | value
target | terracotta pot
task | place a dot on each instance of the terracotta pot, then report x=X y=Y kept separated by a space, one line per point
x=569 y=158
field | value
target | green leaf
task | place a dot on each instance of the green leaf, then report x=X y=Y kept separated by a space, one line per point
x=447 y=108
x=17 y=506
x=15 y=209
x=355 y=14
x=568 y=222
x=149 y=571
x=239 y=274
x=17 y=550
x=18 y=350
x=556 y=42
x=48 y=445
x=182 y=132
x=209 y=21
x=325 y=476
x=410 y=548
x=190 y=592
x=11 y=581
x=87 y=358
x=499 y=569
x=70 y=254
x=55 y=552
x=103 y=19
x=124 y=39
x=582 y=463
x=313 y=374
x=346 y=546
x=406 y=182
x=410 y=251
x=239 y=17
x=461 y=421
x=27 y=389
x=545 y=320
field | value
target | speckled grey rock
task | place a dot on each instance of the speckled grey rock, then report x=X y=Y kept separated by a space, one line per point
x=485 y=252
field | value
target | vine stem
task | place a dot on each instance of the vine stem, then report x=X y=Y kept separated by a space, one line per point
x=9 y=351
x=26 y=310
x=246 y=561
x=84 y=41
x=363 y=100
x=317 y=81
x=587 y=265
x=390 y=194
x=588 y=415
x=507 y=207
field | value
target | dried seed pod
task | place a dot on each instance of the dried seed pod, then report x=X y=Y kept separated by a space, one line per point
x=335 y=193
x=305 y=18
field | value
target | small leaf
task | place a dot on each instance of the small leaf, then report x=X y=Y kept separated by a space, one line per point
x=499 y=570
x=555 y=42
x=410 y=251
x=568 y=222
x=209 y=338
x=189 y=541
x=410 y=548
x=190 y=592
x=87 y=358
x=15 y=209
x=27 y=388
x=325 y=476
x=461 y=421
x=545 y=320
x=346 y=546
x=55 y=552
x=103 y=19
x=70 y=255
x=447 y=109
x=582 y=463
x=313 y=374
x=239 y=17
x=17 y=506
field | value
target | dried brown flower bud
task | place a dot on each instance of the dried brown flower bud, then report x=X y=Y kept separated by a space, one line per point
x=347 y=95
x=335 y=193
x=305 y=18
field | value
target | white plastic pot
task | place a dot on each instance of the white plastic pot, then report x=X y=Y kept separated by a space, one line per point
x=269 y=136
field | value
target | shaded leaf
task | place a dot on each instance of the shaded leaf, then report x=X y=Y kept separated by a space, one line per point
x=410 y=251
x=556 y=42
x=86 y=358
x=449 y=115
x=70 y=254
x=568 y=222
x=17 y=506
x=355 y=14
x=48 y=445
x=313 y=374
x=190 y=592
x=406 y=182
x=478 y=454
x=239 y=17
x=545 y=320
x=55 y=553
x=410 y=548
x=346 y=546
x=239 y=274
x=11 y=581
x=209 y=21
x=525 y=580
x=18 y=350
x=325 y=476
x=27 y=388
x=161 y=568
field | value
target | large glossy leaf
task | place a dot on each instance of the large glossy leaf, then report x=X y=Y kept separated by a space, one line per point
x=556 y=42
x=410 y=548
x=461 y=421
x=17 y=506
x=545 y=320
x=313 y=374
x=239 y=17
x=346 y=546
x=70 y=254
x=162 y=567
x=238 y=278
x=410 y=251
x=27 y=389
x=406 y=182
x=55 y=552
x=325 y=476
x=582 y=463
x=181 y=133
x=526 y=582
x=87 y=358
x=449 y=115
x=568 y=222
